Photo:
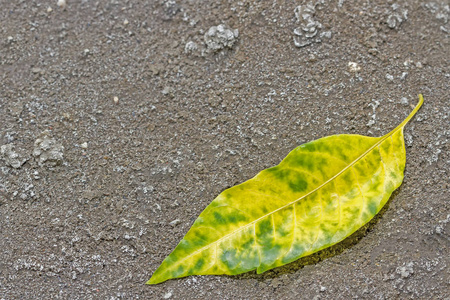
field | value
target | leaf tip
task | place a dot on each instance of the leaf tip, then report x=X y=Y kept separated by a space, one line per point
x=157 y=277
x=154 y=280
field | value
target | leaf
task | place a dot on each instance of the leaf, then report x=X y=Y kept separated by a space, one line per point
x=321 y=193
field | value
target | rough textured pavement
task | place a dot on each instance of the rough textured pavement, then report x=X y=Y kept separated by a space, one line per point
x=121 y=120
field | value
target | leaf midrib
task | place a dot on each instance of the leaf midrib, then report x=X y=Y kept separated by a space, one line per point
x=383 y=138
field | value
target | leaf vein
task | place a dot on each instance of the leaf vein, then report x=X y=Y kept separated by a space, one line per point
x=338 y=209
x=256 y=244
x=264 y=194
x=303 y=171
x=395 y=156
x=273 y=226
x=318 y=228
x=227 y=205
x=360 y=190
x=326 y=154
x=381 y=158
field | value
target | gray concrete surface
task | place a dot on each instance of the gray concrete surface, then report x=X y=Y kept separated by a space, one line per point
x=123 y=119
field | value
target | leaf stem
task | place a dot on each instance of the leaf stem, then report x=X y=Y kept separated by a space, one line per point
x=402 y=124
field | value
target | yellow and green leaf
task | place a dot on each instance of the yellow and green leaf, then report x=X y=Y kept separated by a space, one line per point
x=321 y=193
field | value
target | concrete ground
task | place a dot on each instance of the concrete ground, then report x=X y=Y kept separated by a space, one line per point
x=121 y=120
